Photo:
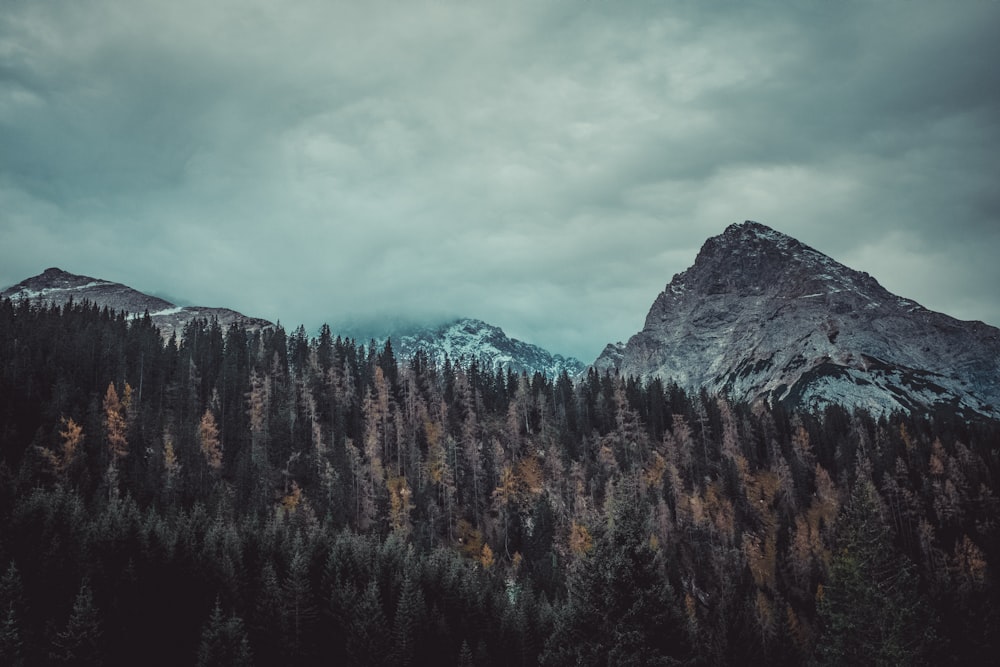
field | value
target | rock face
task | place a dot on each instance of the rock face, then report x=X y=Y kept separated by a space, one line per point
x=762 y=316
x=55 y=286
x=469 y=339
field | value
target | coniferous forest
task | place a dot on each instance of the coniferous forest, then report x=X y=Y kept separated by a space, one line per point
x=239 y=497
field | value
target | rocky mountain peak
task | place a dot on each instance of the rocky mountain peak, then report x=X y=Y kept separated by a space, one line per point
x=750 y=259
x=760 y=315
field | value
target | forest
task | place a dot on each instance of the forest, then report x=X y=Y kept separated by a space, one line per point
x=235 y=497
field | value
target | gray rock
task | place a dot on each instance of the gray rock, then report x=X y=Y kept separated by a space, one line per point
x=761 y=316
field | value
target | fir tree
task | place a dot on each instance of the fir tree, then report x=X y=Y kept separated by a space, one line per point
x=80 y=642
x=870 y=608
x=224 y=641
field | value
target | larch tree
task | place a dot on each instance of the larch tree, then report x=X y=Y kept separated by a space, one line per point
x=208 y=439
x=71 y=438
x=114 y=424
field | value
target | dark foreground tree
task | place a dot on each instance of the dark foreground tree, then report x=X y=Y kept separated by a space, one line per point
x=621 y=609
x=80 y=642
x=224 y=641
x=870 y=611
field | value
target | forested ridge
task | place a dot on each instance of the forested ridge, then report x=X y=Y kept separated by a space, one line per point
x=264 y=497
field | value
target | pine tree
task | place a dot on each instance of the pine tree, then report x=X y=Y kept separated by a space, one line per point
x=366 y=643
x=870 y=609
x=465 y=658
x=11 y=642
x=11 y=618
x=224 y=641
x=409 y=622
x=12 y=590
x=80 y=642
x=621 y=609
x=267 y=622
x=299 y=610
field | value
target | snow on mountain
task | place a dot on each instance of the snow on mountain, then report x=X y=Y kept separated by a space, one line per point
x=470 y=339
x=762 y=316
x=463 y=339
x=55 y=286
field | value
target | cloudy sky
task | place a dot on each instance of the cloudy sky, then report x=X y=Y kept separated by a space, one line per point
x=544 y=165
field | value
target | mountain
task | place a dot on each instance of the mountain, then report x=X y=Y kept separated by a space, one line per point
x=470 y=339
x=466 y=339
x=761 y=315
x=55 y=286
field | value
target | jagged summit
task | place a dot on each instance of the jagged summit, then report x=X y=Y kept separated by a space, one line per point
x=752 y=259
x=58 y=287
x=760 y=315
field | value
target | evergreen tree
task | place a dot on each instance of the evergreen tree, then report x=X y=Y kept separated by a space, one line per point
x=11 y=618
x=366 y=643
x=224 y=641
x=870 y=609
x=408 y=625
x=299 y=610
x=11 y=643
x=267 y=621
x=621 y=609
x=80 y=642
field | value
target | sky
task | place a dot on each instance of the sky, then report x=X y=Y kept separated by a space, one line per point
x=544 y=165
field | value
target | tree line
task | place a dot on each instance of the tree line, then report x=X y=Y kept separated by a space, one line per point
x=263 y=497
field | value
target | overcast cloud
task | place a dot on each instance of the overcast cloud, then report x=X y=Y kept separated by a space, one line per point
x=546 y=166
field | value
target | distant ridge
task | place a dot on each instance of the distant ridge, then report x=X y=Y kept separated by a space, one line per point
x=464 y=340
x=474 y=340
x=58 y=287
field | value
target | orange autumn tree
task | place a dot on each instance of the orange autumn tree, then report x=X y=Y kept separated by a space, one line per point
x=208 y=438
x=114 y=422
x=71 y=437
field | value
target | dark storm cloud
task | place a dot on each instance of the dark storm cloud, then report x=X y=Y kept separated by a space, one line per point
x=546 y=166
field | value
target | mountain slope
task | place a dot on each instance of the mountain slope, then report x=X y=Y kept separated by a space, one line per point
x=55 y=286
x=472 y=339
x=762 y=316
